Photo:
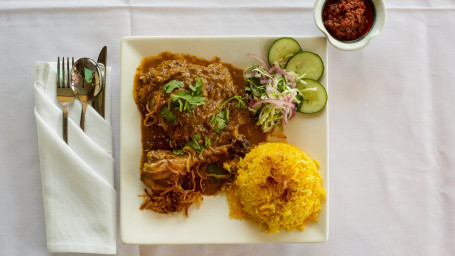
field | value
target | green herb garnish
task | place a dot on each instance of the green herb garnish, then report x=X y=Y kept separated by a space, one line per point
x=219 y=121
x=185 y=100
x=240 y=103
x=178 y=151
x=200 y=154
x=281 y=85
x=194 y=143
x=207 y=142
x=255 y=86
x=197 y=88
x=217 y=170
x=168 y=115
x=172 y=85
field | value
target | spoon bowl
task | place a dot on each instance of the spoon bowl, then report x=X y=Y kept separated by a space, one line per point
x=86 y=83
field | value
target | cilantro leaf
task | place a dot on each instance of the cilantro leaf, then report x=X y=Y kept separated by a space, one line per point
x=178 y=151
x=281 y=84
x=207 y=142
x=240 y=103
x=199 y=85
x=193 y=88
x=172 y=85
x=168 y=115
x=194 y=143
x=191 y=99
x=188 y=100
x=219 y=121
x=217 y=170
x=202 y=151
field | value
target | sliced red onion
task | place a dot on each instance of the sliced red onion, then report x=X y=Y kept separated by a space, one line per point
x=291 y=96
x=277 y=76
x=278 y=103
x=285 y=115
x=269 y=90
x=282 y=63
x=278 y=69
x=265 y=81
x=263 y=62
x=293 y=111
x=251 y=102
x=269 y=94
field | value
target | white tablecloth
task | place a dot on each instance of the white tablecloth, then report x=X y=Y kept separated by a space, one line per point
x=392 y=125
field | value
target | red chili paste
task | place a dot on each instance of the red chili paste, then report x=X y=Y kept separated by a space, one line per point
x=348 y=20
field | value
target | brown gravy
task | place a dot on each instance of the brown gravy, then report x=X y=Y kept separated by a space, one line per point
x=173 y=182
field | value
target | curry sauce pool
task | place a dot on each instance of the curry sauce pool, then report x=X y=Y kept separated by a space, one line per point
x=193 y=119
x=278 y=187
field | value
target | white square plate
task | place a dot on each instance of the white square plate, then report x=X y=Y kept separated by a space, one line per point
x=210 y=223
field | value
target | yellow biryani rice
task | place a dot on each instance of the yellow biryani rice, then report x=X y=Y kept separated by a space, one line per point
x=278 y=187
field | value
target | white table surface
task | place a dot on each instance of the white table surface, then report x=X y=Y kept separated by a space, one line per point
x=392 y=122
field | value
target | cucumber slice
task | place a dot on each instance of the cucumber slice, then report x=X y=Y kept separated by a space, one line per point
x=282 y=49
x=306 y=63
x=314 y=96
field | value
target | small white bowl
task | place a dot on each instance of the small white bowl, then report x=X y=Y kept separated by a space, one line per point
x=378 y=23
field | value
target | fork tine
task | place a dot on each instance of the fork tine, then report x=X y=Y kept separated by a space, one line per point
x=58 y=72
x=68 y=81
x=63 y=72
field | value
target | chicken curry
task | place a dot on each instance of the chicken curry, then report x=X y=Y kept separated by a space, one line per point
x=194 y=118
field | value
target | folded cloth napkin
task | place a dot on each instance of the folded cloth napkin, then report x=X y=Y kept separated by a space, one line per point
x=77 y=178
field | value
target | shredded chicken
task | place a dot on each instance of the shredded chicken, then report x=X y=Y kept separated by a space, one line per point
x=178 y=153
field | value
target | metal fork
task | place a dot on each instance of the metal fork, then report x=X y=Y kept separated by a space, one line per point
x=65 y=94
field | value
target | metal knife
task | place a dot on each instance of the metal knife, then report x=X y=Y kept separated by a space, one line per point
x=98 y=101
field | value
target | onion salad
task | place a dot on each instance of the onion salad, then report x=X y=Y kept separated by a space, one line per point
x=275 y=93
x=272 y=94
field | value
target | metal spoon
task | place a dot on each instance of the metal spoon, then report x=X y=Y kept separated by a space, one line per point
x=86 y=83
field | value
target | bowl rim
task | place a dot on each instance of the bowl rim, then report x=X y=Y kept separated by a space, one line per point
x=378 y=25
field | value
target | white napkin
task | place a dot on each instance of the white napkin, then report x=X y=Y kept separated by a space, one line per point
x=78 y=178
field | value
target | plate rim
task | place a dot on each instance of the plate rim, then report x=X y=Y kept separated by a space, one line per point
x=126 y=40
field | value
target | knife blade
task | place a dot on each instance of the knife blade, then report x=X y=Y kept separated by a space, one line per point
x=98 y=101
